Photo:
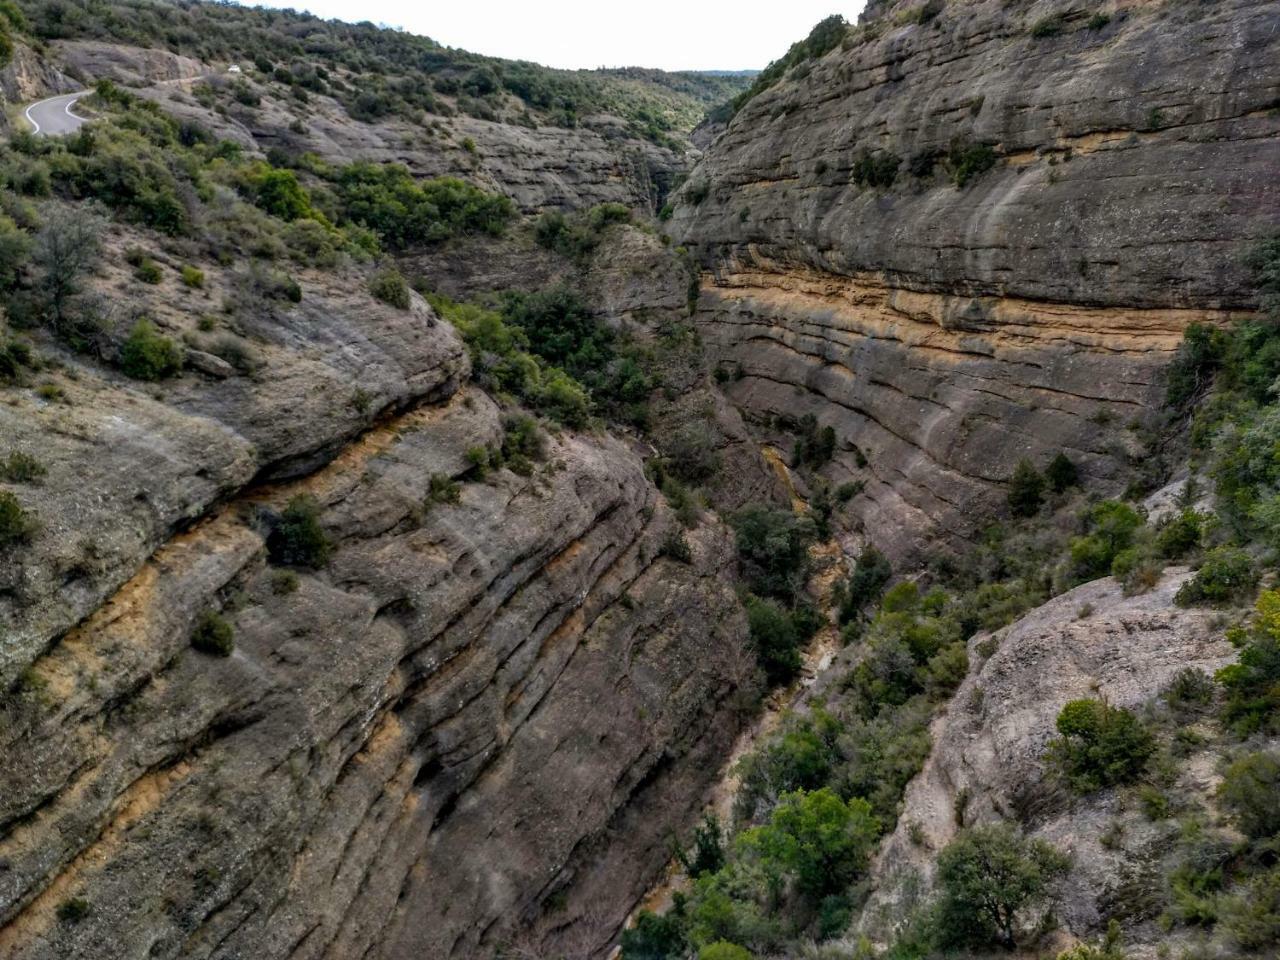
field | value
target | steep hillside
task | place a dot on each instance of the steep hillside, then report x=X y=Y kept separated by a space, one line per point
x=974 y=232
x=547 y=138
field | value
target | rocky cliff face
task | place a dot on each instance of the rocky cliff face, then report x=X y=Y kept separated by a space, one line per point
x=1111 y=184
x=473 y=709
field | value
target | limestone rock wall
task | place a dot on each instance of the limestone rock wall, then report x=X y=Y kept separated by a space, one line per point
x=947 y=331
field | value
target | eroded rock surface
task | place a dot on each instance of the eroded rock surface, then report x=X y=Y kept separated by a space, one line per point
x=407 y=751
x=948 y=331
x=987 y=762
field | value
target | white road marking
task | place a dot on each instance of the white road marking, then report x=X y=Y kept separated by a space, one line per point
x=32 y=120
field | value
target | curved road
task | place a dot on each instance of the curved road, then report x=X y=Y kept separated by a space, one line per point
x=54 y=116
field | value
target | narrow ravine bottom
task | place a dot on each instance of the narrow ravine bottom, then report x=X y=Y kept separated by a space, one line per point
x=829 y=567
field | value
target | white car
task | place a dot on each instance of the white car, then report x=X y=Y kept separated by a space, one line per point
x=234 y=68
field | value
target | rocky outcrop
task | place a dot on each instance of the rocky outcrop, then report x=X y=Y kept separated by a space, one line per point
x=988 y=764
x=436 y=744
x=947 y=331
x=132 y=66
x=128 y=467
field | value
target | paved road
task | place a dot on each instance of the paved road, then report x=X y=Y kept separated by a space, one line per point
x=54 y=116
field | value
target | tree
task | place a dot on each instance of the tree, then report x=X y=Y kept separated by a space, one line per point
x=65 y=249
x=707 y=855
x=773 y=550
x=1026 y=490
x=15 y=250
x=817 y=839
x=1100 y=745
x=776 y=639
x=986 y=876
x=1061 y=473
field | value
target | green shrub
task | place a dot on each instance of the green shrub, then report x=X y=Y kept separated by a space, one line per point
x=875 y=169
x=15 y=358
x=297 y=538
x=708 y=853
x=776 y=639
x=724 y=950
x=815 y=445
x=1190 y=692
x=1061 y=474
x=1180 y=534
x=969 y=161
x=1100 y=746
x=655 y=937
x=147 y=355
x=405 y=212
x=987 y=876
x=213 y=635
x=1252 y=918
x=819 y=840
x=284 y=582
x=1252 y=684
x=1250 y=792
x=192 y=276
x=1112 y=528
x=1026 y=490
x=390 y=287
x=279 y=193
x=148 y=271
x=1226 y=575
x=21 y=467
x=74 y=910
x=16 y=524
x=442 y=488
x=1048 y=27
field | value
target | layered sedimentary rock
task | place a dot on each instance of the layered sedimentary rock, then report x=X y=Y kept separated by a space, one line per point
x=947 y=331
x=472 y=710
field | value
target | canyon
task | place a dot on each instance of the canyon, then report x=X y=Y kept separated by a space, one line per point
x=475 y=730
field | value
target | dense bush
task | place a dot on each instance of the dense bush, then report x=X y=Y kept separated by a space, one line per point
x=875 y=169
x=814 y=445
x=1026 y=490
x=1226 y=575
x=297 y=538
x=824 y=37
x=987 y=878
x=21 y=467
x=1099 y=745
x=871 y=573
x=405 y=212
x=1250 y=791
x=1252 y=684
x=213 y=635
x=773 y=551
x=776 y=638
x=969 y=161
x=501 y=362
x=148 y=355
x=390 y=287
x=1061 y=473
x=1112 y=528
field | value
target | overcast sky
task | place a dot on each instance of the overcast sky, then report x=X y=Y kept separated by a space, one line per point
x=671 y=34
